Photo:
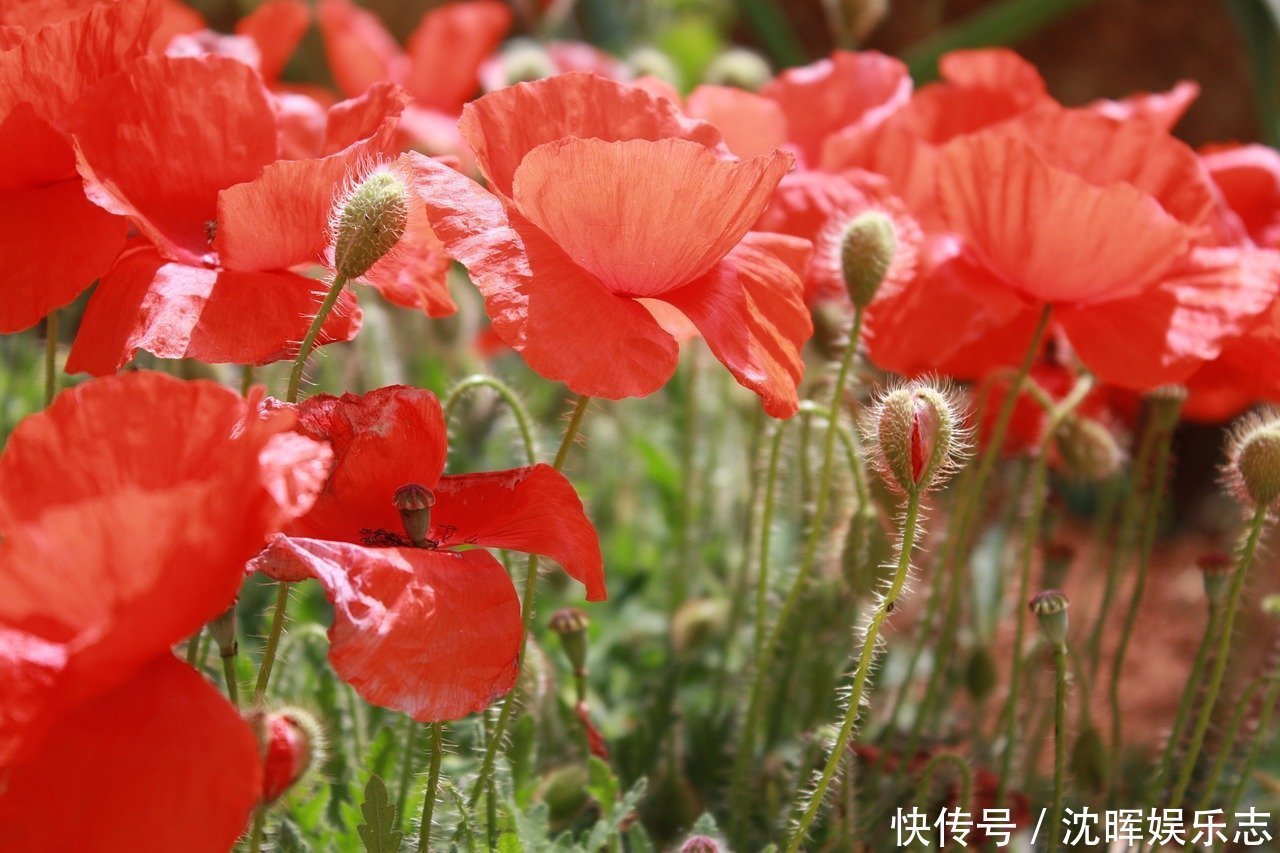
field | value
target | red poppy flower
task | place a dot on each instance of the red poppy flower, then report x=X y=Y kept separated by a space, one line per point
x=116 y=544
x=431 y=631
x=1162 y=109
x=606 y=196
x=1248 y=176
x=53 y=241
x=440 y=70
x=1112 y=224
x=837 y=102
x=223 y=224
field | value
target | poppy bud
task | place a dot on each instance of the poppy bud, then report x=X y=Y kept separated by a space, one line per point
x=866 y=254
x=291 y=738
x=370 y=223
x=651 y=62
x=739 y=67
x=1050 y=608
x=1271 y=605
x=564 y=790
x=980 y=674
x=700 y=844
x=223 y=631
x=415 y=502
x=571 y=624
x=915 y=436
x=1058 y=557
x=1254 y=454
x=1216 y=568
x=1087 y=449
x=697 y=622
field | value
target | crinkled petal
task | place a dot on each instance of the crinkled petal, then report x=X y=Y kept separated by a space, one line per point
x=352 y=120
x=994 y=69
x=750 y=310
x=563 y=321
x=1050 y=233
x=1161 y=109
x=504 y=126
x=751 y=124
x=446 y=50
x=535 y=510
x=163 y=763
x=1249 y=178
x=361 y=52
x=276 y=27
x=30 y=668
x=435 y=634
x=172 y=310
x=159 y=141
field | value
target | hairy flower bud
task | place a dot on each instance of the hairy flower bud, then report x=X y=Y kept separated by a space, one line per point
x=916 y=437
x=1087 y=449
x=370 y=223
x=866 y=254
x=1254 y=460
x=700 y=844
x=290 y=741
x=1050 y=608
x=414 y=503
x=739 y=67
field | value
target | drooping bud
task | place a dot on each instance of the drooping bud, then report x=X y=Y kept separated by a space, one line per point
x=571 y=625
x=1216 y=568
x=291 y=738
x=1058 y=557
x=414 y=502
x=1087 y=449
x=651 y=62
x=1254 y=454
x=915 y=436
x=980 y=674
x=564 y=790
x=739 y=67
x=1050 y=608
x=370 y=223
x=866 y=254
x=700 y=844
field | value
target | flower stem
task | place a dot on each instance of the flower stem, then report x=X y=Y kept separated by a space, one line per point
x=406 y=768
x=1259 y=735
x=870 y=644
x=1227 y=745
x=435 y=732
x=526 y=617
x=963 y=771
x=1059 y=743
x=50 y=356
x=509 y=396
x=193 y=646
x=309 y=341
x=1219 y=671
x=229 y=673
x=273 y=641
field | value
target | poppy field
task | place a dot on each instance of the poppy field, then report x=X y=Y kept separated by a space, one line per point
x=679 y=425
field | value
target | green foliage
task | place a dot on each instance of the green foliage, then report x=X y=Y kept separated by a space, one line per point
x=379 y=832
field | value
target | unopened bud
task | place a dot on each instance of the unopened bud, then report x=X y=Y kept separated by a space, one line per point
x=1216 y=568
x=223 y=631
x=1058 y=557
x=697 y=622
x=1050 y=608
x=915 y=436
x=1255 y=461
x=866 y=254
x=700 y=844
x=980 y=674
x=564 y=790
x=739 y=67
x=414 y=503
x=651 y=62
x=291 y=738
x=571 y=625
x=370 y=223
x=522 y=61
x=1087 y=449
x=1271 y=605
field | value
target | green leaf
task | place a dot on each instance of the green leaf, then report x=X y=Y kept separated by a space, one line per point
x=602 y=785
x=379 y=832
x=289 y=838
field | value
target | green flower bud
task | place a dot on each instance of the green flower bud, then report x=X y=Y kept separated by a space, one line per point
x=1087 y=449
x=739 y=67
x=866 y=254
x=571 y=624
x=370 y=223
x=1255 y=461
x=980 y=674
x=916 y=437
x=651 y=62
x=1216 y=568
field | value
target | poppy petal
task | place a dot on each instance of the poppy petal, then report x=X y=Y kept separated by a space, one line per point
x=447 y=48
x=1048 y=232
x=435 y=634
x=29 y=668
x=1161 y=109
x=1249 y=178
x=563 y=321
x=751 y=312
x=172 y=310
x=381 y=441
x=641 y=216
x=177 y=114
x=535 y=510
x=504 y=126
x=276 y=27
x=752 y=125
x=165 y=745
x=361 y=52
x=352 y=120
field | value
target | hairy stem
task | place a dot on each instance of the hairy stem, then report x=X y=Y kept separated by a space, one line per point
x=435 y=731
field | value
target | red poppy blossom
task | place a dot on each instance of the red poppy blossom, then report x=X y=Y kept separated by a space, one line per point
x=223 y=225
x=431 y=631
x=603 y=195
x=53 y=241
x=116 y=544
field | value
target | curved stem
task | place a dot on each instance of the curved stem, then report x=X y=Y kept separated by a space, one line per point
x=1219 y=671
x=963 y=771
x=436 y=733
x=309 y=340
x=870 y=644
x=503 y=390
x=1059 y=743
x=526 y=617
x=50 y=356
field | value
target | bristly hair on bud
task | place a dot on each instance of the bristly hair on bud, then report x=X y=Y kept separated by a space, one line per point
x=1252 y=471
x=292 y=741
x=368 y=221
x=916 y=435
x=1087 y=449
x=869 y=244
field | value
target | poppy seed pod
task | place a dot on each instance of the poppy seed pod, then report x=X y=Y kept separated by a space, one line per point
x=1216 y=568
x=866 y=254
x=916 y=437
x=1050 y=608
x=739 y=67
x=414 y=503
x=1254 y=466
x=291 y=740
x=571 y=625
x=1087 y=449
x=370 y=223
